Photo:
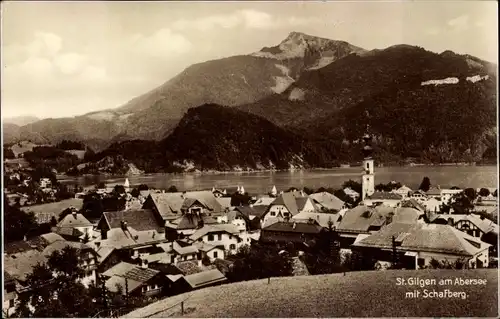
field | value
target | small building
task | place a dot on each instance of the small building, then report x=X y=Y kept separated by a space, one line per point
x=135 y=280
x=404 y=191
x=383 y=198
x=226 y=236
x=296 y=232
x=199 y=280
x=45 y=182
x=416 y=245
x=74 y=226
x=419 y=195
x=432 y=204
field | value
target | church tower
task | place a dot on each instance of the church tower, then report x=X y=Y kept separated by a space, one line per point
x=368 y=179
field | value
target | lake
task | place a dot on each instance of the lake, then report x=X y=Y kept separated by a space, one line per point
x=262 y=182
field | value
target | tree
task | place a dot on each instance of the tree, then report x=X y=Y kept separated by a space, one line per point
x=470 y=193
x=119 y=189
x=8 y=153
x=240 y=199
x=143 y=187
x=17 y=223
x=135 y=192
x=172 y=189
x=308 y=190
x=57 y=278
x=495 y=193
x=258 y=262
x=425 y=185
x=354 y=185
x=484 y=192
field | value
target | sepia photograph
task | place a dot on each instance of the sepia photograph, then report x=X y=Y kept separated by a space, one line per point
x=249 y=159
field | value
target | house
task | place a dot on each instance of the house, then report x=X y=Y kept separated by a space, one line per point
x=74 y=226
x=226 y=236
x=135 y=280
x=383 y=198
x=447 y=194
x=489 y=200
x=235 y=217
x=351 y=193
x=213 y=252
x=252 y=215
x=432 y=204
x=139 y=220
x=45 y=182
x=407 y=215
x=325 y=201
x=170 y=206
x=295 y=231
x=404 y=191
x=20 y=257
x=17 y=199
x=418 y=244
x=322 y=218
x=419 y=195
x=187 y=224
x=10 y=296
x=225 y=203
x=285 y=206
x=413 y=203
x=199 y=280
x=363 y=220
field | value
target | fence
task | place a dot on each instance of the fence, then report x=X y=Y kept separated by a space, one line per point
x=180 y=304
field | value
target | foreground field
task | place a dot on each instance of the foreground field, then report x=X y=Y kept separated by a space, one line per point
x=357 y=294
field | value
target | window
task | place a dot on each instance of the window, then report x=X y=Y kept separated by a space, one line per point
x=215 y=254
x=286 y=214
x=144 y=289
x=232 y=246
x=273 y=214
x=219 y=237
x=210 y=237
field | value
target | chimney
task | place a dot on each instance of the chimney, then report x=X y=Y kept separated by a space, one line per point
x=294 y=225
x=74 y=213
x=144 y=264
x=98 y=244
x=104 y=234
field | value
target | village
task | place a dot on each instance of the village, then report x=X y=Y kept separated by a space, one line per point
x=166 y=242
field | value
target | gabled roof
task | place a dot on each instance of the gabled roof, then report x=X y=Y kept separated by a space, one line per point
x=202 y=246
x=113 y=282
x=301 y=202
x=225 y=202
x=403 y=189
x=205 y=278
x=295 y=227
x=119 y=269
x=170 y=204
x=188 y=202
x=327 y=200
x=44 y=212
x=287 y=200
x=413 y=203
x=257 y=211
x=321 y=218
x=119 y=238
x=485 y=225
x=140 y=220
x=217 y=228
x=425 y=237
x=385 y=195
x=406 y=215
x=361 y=218
x=190 y=221
x=184 y=250
x=74 y=220
x=264 y=201
x=38 y=243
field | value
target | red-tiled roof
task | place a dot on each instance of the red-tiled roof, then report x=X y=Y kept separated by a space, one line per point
x=360 y=218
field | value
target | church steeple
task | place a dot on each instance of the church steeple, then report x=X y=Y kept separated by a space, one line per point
x=368 y=178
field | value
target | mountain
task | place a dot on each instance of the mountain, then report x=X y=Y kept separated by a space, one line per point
x=416 y=101
x=214 y=137
x=20 y=120
x=229 y=81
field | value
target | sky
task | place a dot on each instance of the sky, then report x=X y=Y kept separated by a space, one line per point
x=64 y=59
